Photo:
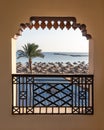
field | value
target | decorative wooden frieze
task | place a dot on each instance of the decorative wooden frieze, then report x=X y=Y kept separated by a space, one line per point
x=55 y=22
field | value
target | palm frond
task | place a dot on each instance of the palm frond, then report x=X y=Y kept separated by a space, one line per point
x=30 y=51
x=21 y=53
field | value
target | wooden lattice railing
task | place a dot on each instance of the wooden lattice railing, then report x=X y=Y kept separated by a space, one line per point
x=52 y=94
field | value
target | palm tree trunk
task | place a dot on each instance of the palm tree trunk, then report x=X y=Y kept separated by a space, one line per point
x=30 y=65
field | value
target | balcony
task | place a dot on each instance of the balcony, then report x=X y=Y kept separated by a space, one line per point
x=52 y=94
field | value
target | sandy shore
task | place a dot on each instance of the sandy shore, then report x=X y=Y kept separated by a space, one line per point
x=53 y=68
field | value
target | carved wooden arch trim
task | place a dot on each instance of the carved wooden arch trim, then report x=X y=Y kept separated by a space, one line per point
x=54 y=22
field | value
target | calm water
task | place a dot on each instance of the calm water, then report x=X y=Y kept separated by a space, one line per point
x=58 y=57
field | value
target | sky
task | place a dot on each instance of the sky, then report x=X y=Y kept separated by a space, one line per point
x=54 y=40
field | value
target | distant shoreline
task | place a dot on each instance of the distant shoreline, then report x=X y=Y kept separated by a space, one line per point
x=73 y=55
x=78 y=55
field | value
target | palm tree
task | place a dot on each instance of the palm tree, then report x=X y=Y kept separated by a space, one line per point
x=30 y=50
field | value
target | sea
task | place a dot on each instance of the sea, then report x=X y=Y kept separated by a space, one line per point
x=58 y=57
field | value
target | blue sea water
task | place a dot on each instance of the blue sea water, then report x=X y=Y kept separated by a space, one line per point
x=58 y=57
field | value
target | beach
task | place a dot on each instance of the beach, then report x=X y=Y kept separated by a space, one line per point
x=53 y=68
x=55 y=63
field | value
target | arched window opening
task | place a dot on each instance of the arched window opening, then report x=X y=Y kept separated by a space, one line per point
x=59 y=80
x=60 y=35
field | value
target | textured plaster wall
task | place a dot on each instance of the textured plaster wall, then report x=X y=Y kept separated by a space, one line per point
x=14 y=12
